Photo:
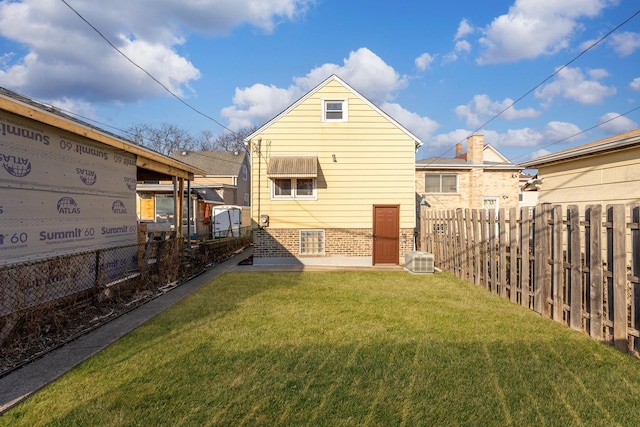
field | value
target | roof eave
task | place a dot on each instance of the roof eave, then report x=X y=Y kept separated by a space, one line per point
x=566 y=156
x=146 y=158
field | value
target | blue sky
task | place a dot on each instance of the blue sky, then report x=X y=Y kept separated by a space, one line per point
x=442 y=69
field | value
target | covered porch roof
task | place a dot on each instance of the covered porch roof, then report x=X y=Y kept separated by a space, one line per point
x=150 y=164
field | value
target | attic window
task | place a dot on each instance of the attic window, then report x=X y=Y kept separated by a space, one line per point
x=334 y=110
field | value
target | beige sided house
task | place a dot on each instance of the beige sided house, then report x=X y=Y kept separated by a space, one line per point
x=603 y=172
x=332 y=177
x=479 y=178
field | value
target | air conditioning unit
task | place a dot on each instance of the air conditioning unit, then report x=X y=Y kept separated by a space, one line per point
x=418 y=262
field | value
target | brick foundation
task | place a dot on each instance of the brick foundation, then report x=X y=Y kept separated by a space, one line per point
x=339 y=242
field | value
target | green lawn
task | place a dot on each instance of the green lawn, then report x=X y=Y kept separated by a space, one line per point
x=344 y=348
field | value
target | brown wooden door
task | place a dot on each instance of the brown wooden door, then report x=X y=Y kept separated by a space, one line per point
x=386 y=234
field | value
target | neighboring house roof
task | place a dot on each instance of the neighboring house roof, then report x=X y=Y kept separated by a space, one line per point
x=457 y=163
x=309 y=94
x=214 y=162
x=207 y=193
x=147 y=159
x=618 y=142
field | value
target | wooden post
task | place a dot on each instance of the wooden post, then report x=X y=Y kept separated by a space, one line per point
x=493 y=268
x=477 y=263
x=525 y=276
x=557 y=263
x=635 y=272
x=447 y=240
x=451 y=235
x=461 y=245
x=542 y=269
x=469 y=250
x=594 y=218
x=620 y=325
x=484 y=249
x=575 y=319
x=442 y=239
x=513 y=255
x=502 y=253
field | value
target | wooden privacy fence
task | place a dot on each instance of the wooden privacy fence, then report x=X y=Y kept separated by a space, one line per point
x=578 y=268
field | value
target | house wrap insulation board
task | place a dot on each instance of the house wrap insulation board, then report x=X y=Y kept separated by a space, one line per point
x=61 y=193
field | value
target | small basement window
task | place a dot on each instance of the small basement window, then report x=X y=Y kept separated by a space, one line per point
x=311 y=242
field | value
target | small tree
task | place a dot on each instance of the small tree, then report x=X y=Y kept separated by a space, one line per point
x=233 y=141
x=164 y=139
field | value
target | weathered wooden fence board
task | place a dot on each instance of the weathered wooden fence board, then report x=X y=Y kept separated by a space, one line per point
x=575 y=281
x=554 y=262
x=557 y=264
x=596 y=303
x=513 y=256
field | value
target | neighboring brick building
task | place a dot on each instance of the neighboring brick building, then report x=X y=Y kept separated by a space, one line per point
x=479 y=178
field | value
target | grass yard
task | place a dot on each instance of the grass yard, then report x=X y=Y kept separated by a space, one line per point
x=344 y=349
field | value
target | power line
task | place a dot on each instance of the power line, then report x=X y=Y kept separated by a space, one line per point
x=145 y=71
x=597 y=42
x=586 y=130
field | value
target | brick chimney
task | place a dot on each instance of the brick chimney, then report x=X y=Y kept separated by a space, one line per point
x=458 y=149
x=475 y=145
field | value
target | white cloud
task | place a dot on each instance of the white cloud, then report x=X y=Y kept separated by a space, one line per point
x=624 y=44
x=553 y=132
x=434 y=145
x=424 y=61
x=614 y=123
x=482 y=108
x=257 y=104
x=464 y=29
x=598 y=73
x=538 y=153
x=462 y=46
x=635 y=84
x=66 y=58
x=449 y=57
x=571 y=83
x=535 y=27
x=363 y=69
x=422 y=127
x=561 y=131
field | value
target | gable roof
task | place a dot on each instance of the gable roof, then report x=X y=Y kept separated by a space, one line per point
x=618 y=142
x=214 y=162
x=328 y=80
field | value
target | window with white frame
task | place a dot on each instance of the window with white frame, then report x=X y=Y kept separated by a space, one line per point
x=247 y=199
x=293 y=188
x=244 y=172
x=441 y=183
x=335 y=110
x=311 y=242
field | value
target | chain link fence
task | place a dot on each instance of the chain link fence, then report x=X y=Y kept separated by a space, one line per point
x=46 y=301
